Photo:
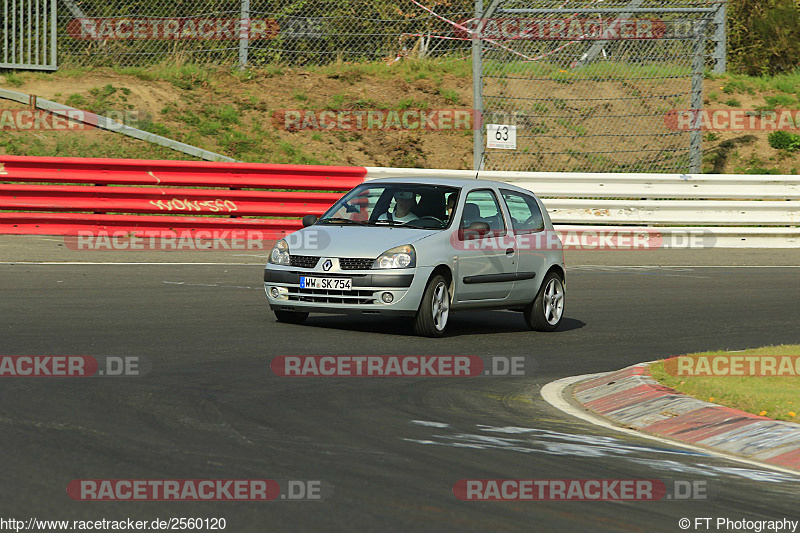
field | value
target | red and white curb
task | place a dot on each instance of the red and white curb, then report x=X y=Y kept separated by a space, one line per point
x=631 y=400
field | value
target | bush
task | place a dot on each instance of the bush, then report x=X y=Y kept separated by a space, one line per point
x=783 y=140
x=763 y=36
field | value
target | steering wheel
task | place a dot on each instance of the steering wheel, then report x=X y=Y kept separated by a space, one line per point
x=429 y=217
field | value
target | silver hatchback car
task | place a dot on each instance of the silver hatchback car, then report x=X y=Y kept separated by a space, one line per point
x=422 y=248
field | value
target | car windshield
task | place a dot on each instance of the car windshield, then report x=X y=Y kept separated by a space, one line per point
x=410 y=205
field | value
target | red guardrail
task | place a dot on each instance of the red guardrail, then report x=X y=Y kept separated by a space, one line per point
x=59 y=196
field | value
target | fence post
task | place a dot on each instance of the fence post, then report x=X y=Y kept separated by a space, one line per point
x=244 y=34
x=477 y=89
x=696 y=140
x=720 y=39
x=53 y=35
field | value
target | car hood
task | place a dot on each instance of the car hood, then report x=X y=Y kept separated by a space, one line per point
x=352 y=241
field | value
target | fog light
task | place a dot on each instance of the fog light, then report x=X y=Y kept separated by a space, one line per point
x=274 y=292
x=387 y=297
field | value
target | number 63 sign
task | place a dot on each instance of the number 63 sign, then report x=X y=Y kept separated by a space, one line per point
x=503 y=136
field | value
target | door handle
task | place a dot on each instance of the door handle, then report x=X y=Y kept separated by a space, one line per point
x=509 y=251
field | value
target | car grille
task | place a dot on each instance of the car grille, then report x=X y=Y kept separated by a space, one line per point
x=303 y=261
x=356 y=263
x=325 y=296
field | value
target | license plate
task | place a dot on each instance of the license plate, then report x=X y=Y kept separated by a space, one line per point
x=334 y=284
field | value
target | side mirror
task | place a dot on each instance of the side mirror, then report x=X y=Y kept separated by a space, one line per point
x=309 y=220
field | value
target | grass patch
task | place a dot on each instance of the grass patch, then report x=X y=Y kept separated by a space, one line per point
x=780 y=100
x=409 y=70
x=783 y=140
x=451 y=96
x=410 y=103
x=14 y=79
x=772 y=396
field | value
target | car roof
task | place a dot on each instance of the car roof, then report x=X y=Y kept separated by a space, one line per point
x=472 y=183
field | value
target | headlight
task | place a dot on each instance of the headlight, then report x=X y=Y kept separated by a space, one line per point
x=399 y=257
x=280 y=253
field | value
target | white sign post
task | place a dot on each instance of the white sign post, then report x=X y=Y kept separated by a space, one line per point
x=503 y=136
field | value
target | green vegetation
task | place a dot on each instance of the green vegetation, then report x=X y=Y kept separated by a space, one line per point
x=183 y=75
x=451 y=96
x=772 y=396
x=781 y=100
x=223 y=109
x=23 y=143
x=13 y=79
x=763 y=36
x=783 y=140
x=409 y=71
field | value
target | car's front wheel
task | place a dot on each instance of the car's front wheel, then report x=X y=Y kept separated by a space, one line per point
x=431 y=318
x=290 y=317
x=545 y=312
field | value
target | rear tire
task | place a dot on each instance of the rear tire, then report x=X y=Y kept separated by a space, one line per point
x=290 y=317
x=434 y=310
x=545 y=312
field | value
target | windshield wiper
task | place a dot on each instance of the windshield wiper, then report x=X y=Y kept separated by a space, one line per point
x=410 y=225
x=342 y=221
x=387 y=222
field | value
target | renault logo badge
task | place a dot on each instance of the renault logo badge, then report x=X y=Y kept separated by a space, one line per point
x=327 y=265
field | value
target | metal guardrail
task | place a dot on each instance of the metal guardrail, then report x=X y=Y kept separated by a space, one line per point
x=58 y=196
x=738 y=211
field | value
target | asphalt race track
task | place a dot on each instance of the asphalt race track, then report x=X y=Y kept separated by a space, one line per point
x=391 y=448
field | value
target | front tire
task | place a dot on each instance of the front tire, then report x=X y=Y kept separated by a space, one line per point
x=431 y=319
x=290 y=317
x=545 y=312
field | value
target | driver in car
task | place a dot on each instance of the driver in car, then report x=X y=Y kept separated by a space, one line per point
x=404 y=203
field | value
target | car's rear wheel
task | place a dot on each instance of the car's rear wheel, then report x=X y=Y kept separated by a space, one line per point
x=545 y=312
x=290 y=317
x=431 y=318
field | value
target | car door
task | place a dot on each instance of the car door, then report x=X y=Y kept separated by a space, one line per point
x=527 y=229
x=486 y=264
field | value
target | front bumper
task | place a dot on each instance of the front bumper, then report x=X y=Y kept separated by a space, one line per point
x=406 y=286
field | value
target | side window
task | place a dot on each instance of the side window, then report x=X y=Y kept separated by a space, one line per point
x=526 y=217
x=482 y=206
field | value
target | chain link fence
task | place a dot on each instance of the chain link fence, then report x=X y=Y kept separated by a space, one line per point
x=590 y=86
x=254 y=32
x=586 y=85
